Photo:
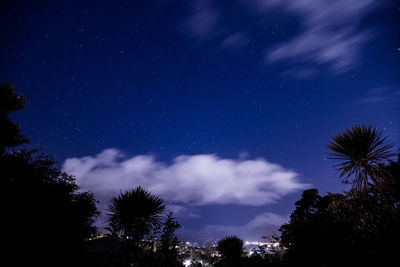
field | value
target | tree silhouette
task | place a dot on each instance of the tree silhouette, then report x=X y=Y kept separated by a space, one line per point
x=355 y=228
x=168 y=237
x=10 y=101
x=45 y=218
x=135 y=213
x=300 y=235
x=231 y=249
x=341 y=230
x=360 y=150
x=167 y=255
x=328 y=230
x=391 y=187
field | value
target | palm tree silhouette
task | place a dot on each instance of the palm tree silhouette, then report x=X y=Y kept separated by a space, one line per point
x=134 y=213
x=361 y=150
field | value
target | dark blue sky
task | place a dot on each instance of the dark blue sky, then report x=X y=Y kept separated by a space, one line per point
x=257 y=81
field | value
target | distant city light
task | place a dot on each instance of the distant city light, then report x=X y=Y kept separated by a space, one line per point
x=255 y=243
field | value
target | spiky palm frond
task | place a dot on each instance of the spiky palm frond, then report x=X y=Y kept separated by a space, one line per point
x=135 y=213
x=360 y=150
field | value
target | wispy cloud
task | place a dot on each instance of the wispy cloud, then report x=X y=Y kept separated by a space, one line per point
x=203 y=21
x=261 y=225
x=379 y=95
x=330 y=34
x=182 y=211
x=188 y=180
x=235 y=41
x=301 y=73
x=337 y=50
x=372 y=99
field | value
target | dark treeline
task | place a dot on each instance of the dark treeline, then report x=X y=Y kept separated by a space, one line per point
x=356 y=228
x=47 y=221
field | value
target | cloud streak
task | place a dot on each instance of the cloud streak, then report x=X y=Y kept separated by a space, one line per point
x=329 y=31
x=189 y=180
x=203 y=20
x=380 y=95
x=330 y=34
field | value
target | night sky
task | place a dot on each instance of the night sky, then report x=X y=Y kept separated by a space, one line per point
x=222 y=108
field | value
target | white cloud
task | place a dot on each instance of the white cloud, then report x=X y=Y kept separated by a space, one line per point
x=188 y=180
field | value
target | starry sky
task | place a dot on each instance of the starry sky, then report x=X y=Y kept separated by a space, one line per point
x=222 y=108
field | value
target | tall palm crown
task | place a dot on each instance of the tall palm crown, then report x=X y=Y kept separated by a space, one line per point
x=360 y=149
x=135 y=213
